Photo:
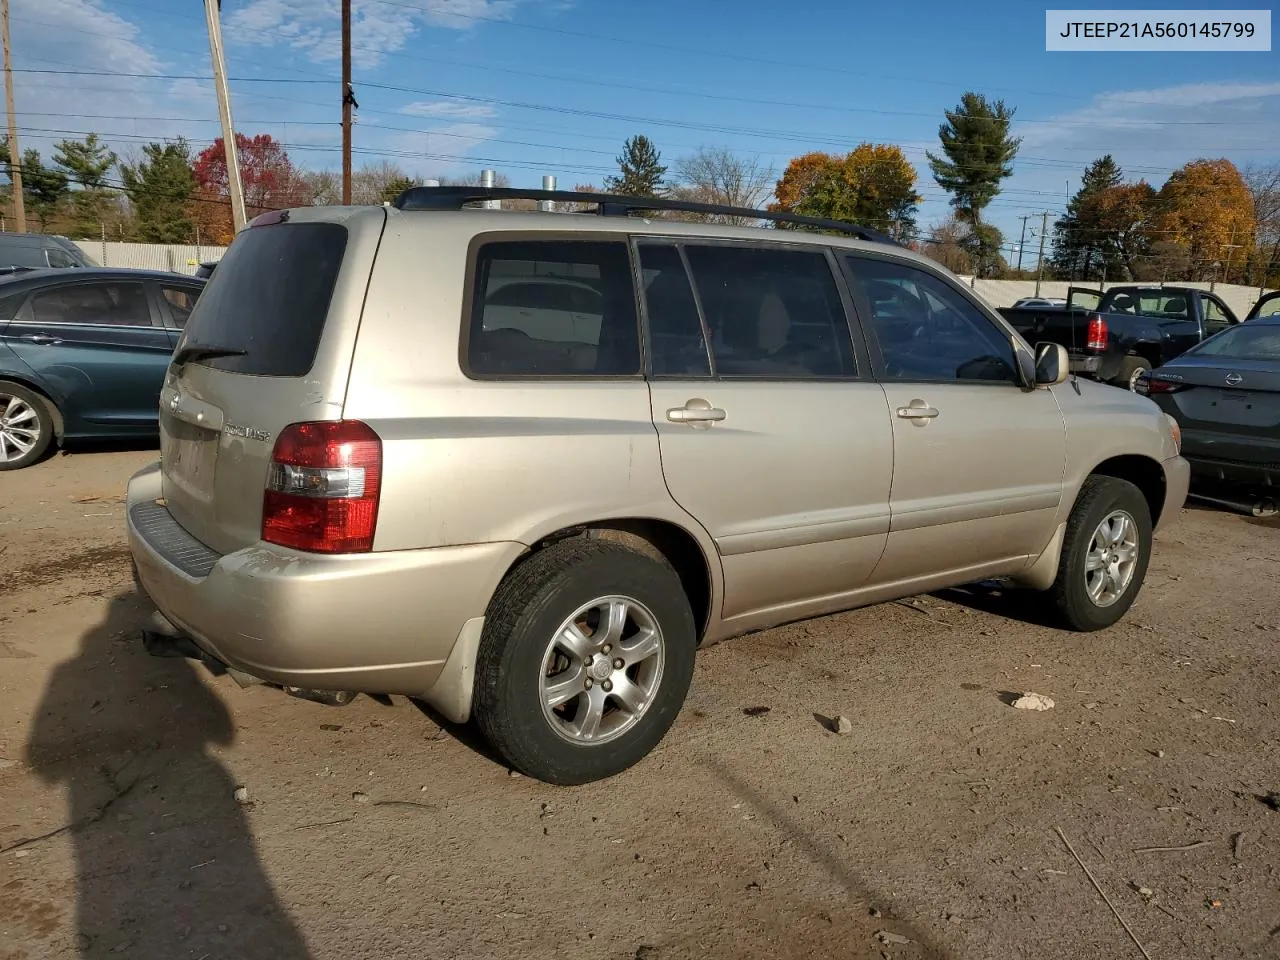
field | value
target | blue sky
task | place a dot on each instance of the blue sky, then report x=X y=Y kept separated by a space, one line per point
x=554 y=86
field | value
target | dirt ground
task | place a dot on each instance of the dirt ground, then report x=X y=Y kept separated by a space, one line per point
x=752 y=832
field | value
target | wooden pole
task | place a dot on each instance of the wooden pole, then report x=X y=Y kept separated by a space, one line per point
x=234 y=185
x=346 y=102
x=15 y=153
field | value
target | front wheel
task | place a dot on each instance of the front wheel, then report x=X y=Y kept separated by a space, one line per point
x=26 y=427
x=585 y=660
x=1104 y=554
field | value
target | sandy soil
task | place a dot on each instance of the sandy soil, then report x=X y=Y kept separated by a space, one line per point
x=371 y=832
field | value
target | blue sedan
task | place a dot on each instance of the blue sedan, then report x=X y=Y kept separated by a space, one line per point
x=83 y=355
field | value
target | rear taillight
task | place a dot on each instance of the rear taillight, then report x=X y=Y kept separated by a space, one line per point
x=1162 y=386
x=322 y=487
x=1096 y=338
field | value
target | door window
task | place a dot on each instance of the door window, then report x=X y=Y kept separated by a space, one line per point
x=1216 y=318
x=772 y=312
x=926 y=330
x=181 y=302
x=114 y=304
x=554 y=309
x=677 y=346
x=59 y=258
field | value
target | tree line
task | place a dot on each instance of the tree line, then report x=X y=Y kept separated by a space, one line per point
x=1208 y=220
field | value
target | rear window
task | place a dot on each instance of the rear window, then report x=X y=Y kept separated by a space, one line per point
x=269 y=297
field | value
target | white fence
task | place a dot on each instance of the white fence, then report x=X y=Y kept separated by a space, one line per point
x=178 y=258
x=1003 y=293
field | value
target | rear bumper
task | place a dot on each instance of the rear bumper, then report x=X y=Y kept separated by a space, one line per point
x=374 y=623
x=1235 y=472
x=1177 y=481
x=1085 y=363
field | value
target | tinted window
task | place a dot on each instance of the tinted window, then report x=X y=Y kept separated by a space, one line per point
x=181 y=301
x=1269 y=309
x=118 y=304
x=59 y=258
x=1213 y=313
x=553 y=309
x=22 y=255
x=676 y=343
x=925 y=329
x=270 y=297
x=1170 y=306
x=1245 y=342
x=771 y=312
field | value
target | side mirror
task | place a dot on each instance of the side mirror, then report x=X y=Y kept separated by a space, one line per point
x=1053 y=363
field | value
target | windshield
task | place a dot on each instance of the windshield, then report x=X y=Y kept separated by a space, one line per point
x=1260 y=342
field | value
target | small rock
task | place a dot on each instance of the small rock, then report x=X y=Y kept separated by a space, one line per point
x=392 y=878
x=359 y=797
x=1144 y=891
x=23 y=853
x=331 y=726
x=756 y=711
x=1091 y=705
x=1159 y=754
x=645 y=952
x=241 y=794
x=514 y=773
x=875 y=913
x=1033 y=701
x=886 y=937
x=223 y=928
x=122 y=947
x=844 y=726
x=6 y=763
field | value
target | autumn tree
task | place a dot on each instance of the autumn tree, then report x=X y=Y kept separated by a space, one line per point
x=946 y=244
x=1124 y=217
x=1078 y=243
x=641 y=169
x=267 y=177
x=872 y=185
x=1263 y=182
x=161 y=186
x=1205 y=207
x=977 y=155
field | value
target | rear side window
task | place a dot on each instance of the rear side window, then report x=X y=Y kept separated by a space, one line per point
x=181 y=301
x=59 y=258
x=553 y=308
x=772 y=312
x=269 y=297
x=114 y=304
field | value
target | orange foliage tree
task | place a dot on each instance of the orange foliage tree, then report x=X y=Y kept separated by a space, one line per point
x=1206 y=208
x=267 y=175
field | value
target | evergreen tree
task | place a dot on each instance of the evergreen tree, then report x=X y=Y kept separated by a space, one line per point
x=1079 y=245
x=977 y=155
x=87 y=162
x=641 y=169
x=45 y=188
x=161 y=187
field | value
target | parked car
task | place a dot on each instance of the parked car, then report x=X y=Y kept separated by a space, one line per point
x=374 y=478
x=83 y=354
x=1225 y=395
x=1043 y=302
x=205 y=270
x=1118 y=335
x=39 y=251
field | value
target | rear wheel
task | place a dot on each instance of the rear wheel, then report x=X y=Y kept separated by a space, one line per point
x=586 y=658
x=26 y=426
x=1104 y=554
x=1133 y=368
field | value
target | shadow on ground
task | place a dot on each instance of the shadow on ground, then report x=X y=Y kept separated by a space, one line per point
x=165 y=860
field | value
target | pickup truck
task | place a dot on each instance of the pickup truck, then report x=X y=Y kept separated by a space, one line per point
x=1117 y=336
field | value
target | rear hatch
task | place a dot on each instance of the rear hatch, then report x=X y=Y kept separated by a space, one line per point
x=268 y=344
x=1228 y=409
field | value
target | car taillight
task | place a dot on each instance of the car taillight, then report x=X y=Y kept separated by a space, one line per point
x=323 y=486
x=1162 y=386
x=1096 y=338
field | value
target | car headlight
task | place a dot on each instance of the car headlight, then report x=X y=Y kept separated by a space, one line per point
x=1175 y=431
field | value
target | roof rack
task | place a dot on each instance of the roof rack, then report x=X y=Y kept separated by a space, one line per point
x=614 y=205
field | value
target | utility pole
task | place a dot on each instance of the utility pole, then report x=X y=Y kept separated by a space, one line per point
x=15 y=155
x=347 y=101
x=234 y=186
x=1044 y=228
x=1021 y=240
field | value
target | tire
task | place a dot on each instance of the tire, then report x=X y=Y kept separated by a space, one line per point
x=522 y=661
x=1100 y=500
x=1132 y=368
x=26 y=426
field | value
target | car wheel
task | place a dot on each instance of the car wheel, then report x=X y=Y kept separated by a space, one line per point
x=585 y=659
x=1104 y=554
x=1133 y=369
x=26 y=426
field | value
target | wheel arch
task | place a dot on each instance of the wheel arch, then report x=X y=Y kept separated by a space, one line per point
x=1143 y=472
x=59 y=424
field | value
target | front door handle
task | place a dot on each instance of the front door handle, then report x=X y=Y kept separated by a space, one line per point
x=696 y=411
x=41 y=338
x=919 y=411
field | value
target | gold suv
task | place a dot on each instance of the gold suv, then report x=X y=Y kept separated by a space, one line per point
x=521 y=465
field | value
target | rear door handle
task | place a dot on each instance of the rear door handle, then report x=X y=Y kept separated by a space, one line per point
x=696 y=411
x=917 y=410
x=41 y=338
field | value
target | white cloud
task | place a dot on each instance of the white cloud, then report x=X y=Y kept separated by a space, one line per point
x=314 y=26
x=452 y=109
